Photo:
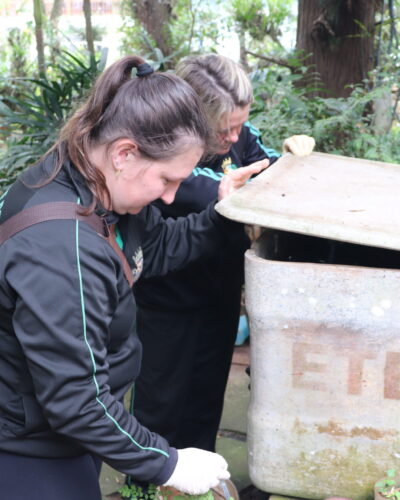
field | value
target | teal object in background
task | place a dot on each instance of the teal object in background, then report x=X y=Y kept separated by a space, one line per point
x=243 y=331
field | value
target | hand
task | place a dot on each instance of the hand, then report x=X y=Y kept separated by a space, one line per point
x=197 y=471
x=299 y=145
x=235 y=179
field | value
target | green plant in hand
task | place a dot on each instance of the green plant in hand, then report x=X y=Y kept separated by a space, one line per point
x=388 y=486
x=134 y=492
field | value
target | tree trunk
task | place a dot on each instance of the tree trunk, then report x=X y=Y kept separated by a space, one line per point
x=38 y=15
x=338 y=37
x=56 y=11
x=155 y=15
x=55 y=14
x=87 y=10
x=243 y=51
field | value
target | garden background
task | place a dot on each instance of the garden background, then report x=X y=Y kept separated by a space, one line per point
x=326 y=68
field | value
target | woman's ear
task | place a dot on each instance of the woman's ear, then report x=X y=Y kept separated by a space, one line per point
x=122 y=152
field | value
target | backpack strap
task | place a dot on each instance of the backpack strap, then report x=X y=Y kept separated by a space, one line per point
x=61 y=210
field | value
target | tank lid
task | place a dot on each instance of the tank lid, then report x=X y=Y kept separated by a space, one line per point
x=324 y=195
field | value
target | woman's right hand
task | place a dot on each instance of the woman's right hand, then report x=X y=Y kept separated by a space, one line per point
x=235 y=179
x=197 y=471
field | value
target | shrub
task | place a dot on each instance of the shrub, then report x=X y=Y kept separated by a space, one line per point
x=341 y=126
x=30 y=122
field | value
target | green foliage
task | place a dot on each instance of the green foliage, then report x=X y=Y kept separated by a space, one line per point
x=260 y=17
x=14 y=61
x=250 y=16
x=388 y=487
x=197 y=26
x=158 y=60
x=341 y=126
x=30 y=122
x=134 y=492
x=19 y=41
x=79 y=33
x=132 y=31
x=260 y=23
x=194 y=26
x=155 y=57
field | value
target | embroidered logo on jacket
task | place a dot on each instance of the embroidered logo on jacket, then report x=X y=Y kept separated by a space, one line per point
x=137 y=258
x=227 y=165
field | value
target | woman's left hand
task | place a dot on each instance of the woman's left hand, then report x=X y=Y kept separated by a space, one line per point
x=235 y=179
x=299 y=145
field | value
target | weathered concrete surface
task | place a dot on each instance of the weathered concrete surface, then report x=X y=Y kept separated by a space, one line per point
x=332 y=196
x=325 y=376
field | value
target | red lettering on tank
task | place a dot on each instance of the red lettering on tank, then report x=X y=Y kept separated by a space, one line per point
x=301 y=365
x=391 y=387
x=355 y=367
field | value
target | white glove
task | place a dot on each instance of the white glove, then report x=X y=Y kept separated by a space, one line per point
x=299 y=145
x=197 y=471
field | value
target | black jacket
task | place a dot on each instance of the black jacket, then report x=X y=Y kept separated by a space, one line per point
x=68 y=344
x=210 y=282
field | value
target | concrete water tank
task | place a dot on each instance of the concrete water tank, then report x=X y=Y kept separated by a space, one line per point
x=323 y=298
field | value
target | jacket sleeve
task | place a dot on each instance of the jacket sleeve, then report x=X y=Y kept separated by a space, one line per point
x=254 y=150
x=170 y=244
x=195 y=193
x=67 y=288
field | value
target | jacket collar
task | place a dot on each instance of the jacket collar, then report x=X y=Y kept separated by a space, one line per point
x=70 y=176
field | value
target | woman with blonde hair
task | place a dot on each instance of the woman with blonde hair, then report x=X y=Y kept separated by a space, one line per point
x=188 y=319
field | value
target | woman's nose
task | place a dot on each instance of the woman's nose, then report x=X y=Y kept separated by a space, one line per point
x=169 y=195
x=233 y=135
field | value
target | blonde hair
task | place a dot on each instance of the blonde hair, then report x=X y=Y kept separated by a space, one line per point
x=221 y=83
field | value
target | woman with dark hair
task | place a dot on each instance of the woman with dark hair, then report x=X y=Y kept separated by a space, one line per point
x=76 y=230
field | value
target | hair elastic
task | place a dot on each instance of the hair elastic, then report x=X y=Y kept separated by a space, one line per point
x=144 y=69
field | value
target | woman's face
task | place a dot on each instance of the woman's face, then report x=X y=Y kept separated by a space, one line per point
x=136 y=181
x=229 y=128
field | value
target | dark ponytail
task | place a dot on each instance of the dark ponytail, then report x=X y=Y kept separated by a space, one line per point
x=107 y=86
x=159 y=111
